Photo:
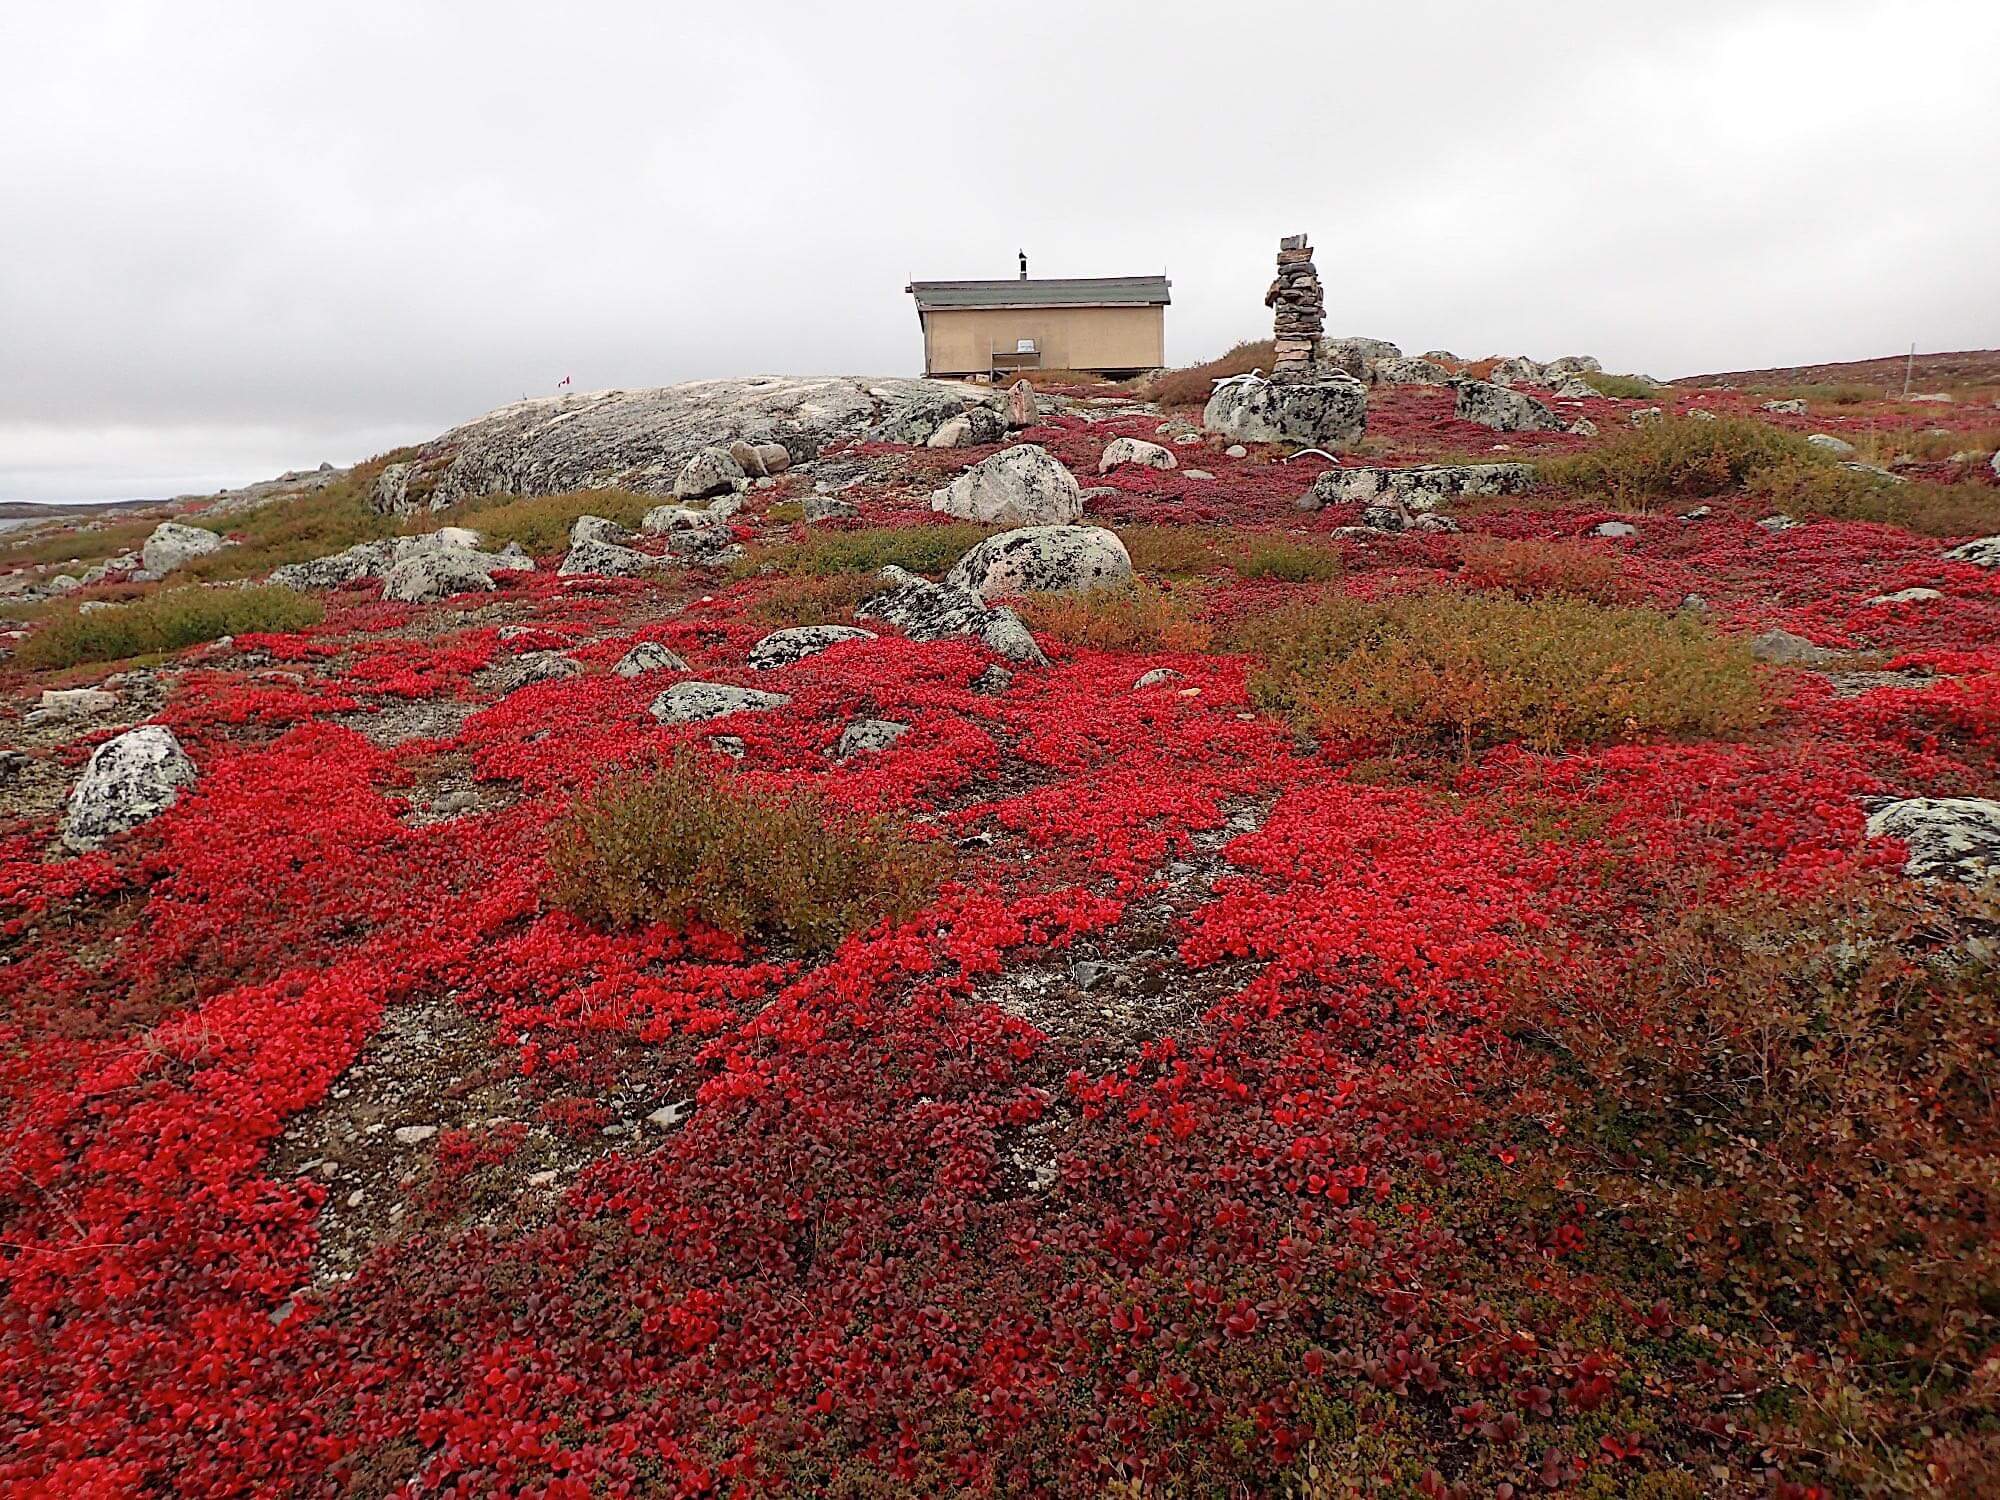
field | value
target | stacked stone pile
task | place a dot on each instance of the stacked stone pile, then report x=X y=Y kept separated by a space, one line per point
x=1300 y=303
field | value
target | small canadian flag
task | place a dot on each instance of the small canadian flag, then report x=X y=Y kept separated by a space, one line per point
x=563 y=382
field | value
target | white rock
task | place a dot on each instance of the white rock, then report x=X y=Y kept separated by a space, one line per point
x=171 y=545
x=1130 y=450
x=1019 y=486
x=1983 y=552
x=414 y=1135
x=1042 y=559
x=648 y=656
x=1614 y=528
x=868 y=737
x=1792 y=408
x=1236 y=450
x=133 y=777
x=710 y=471
x=1155 y=677
x=426 y=576
x=696 y=702
x=1907 y=596
x=597 y=529
x=1830 y=445
x=783 y=647
x=68 y=703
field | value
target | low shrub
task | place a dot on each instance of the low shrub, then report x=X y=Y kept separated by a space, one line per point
x=1175 y=551
x=1793 y=1106
x=541 y=523
x=1139 y=616
x=1193 y=385
x=1442 y=670
x=74 y=544
x=1674 y=459
x=1053 y=377
x=1289 y=560
x=1926 y=445
x=165 y=621
x=1536 y=569
x=1809 y=487
x=1623 y=387
x=1846 y=393
x=295 y=529
x=683 y=843
x=928 y=549
x=810 y=600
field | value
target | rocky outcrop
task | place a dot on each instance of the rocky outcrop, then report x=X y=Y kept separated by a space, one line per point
x=1949 y=838
x=1317 y=413
x=528 y=668
x=974 y=427
x=641 y=440
x=391 y=494
x=438 y=573
x=1424 y=487
x=173 y=545
x=1040 y=560
x=1020 y=486
x=1502 y=410
x=608 y=560
x=1130 y=450
x=783 y=647
x=926 y=611
x=374 y=559
x=1789 y=408
x=708 y=471
x=697 y=702
x=133 y=777
x=597 y=529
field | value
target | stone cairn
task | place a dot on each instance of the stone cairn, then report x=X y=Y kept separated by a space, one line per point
x=1300 y=301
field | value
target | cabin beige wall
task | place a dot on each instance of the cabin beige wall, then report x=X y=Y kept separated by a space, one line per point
x=957 y=340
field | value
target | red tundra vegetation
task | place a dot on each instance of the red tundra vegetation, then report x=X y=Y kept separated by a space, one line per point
x=1448 y=1036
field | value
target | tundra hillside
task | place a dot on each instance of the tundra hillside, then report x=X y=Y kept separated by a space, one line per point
x=866 y=938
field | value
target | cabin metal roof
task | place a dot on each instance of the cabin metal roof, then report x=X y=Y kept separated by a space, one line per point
x=1073 y=291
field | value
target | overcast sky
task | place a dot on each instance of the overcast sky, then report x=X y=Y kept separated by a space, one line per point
x=241 y=238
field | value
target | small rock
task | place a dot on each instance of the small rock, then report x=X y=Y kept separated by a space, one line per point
x=1981 y=552
x=1614 y=528
x=597 y=529
x=1646 y=414
x=1042 y=559
x=1907 y=596
x=1155 y=677
x=602 y=559
x=71 y=703
x=542 y=1179
x=1131 y=450
x=172 y=545
x=414 y=1135
x=648 y=656
x=868 y=737
x=1949 y=838
x=827 y=508
x=710 y=471
x=1830 y=445
x=1780 y=522
x=990 y=683
x=1023 y=410
x=1792 y=408
x=1236 y=450
x=667 y=1116
x=129 y=779
x=1019 y=486
x=1699 y=513
x=1782 y=648
x=1501 y=409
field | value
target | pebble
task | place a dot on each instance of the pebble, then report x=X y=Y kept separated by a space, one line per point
x=414 y=1135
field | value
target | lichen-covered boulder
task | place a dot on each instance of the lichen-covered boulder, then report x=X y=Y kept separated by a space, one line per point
x=1020 y=486
x=1318 y=413
x=439 y=572
x=710 y=471
x=760 y=460
x=1949 y=838
x=1572 y=364
x=608 y=560
x=1833 y=447
x=974 y=427
x=1130 y=450
x=528 y=668
x=696 y=702
x=926 y=611
x=1042 y=560
x=1517 y=370
x=783 y=647
x=374 y=559
x=649 y=656
x=597 y=529
x=1408 y=372
x=129 y=779
x=173 y=545
x=1023 y=410
x=1502 y=410
x=1420 y=487
x=391 y=495
x=1793 y=408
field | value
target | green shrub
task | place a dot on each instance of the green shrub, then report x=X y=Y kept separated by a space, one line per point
x=1139 y=616
x=1290 y=560
x=1623 y=387
x=540 y=523
x=1846 y=393
x=928 y=549
x=1674 y=459
x=683 y=842
x=1813 y=488
x=1175 y=551
x=165 y=621
x=1442 y=670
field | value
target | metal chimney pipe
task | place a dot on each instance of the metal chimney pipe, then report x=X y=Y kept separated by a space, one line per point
x=1024 y=263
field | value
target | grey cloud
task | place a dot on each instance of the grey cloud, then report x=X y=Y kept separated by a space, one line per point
x=233 y=229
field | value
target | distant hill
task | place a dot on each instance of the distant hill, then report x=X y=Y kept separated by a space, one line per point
x=1933 y=372
x=33 y=510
